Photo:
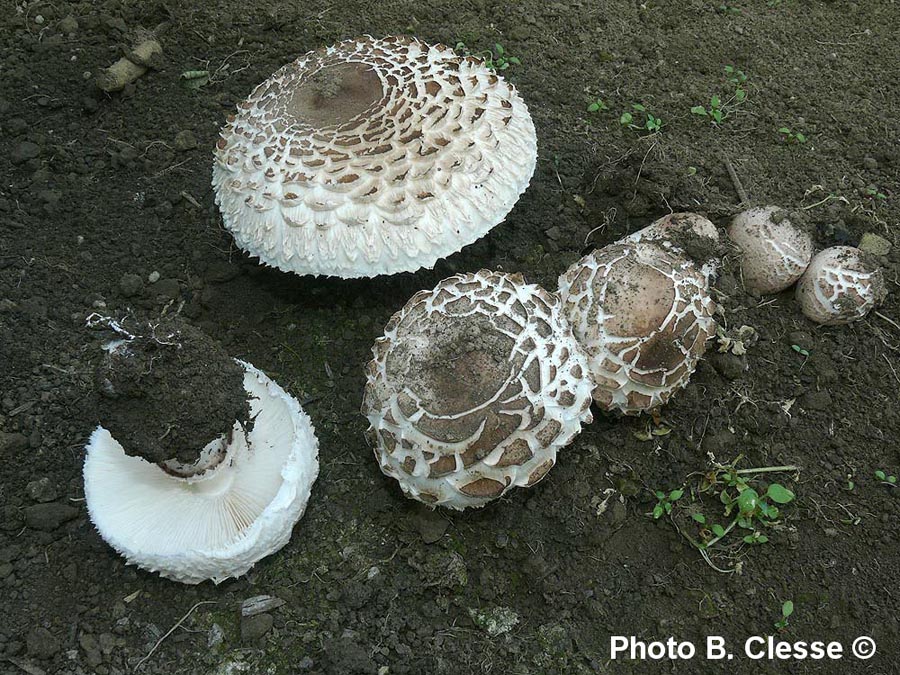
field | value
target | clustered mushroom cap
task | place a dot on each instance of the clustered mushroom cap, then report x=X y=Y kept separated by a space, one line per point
x=643 y=315
x=842 y=284
x=473 y=389
x=217 y=519
x=372 y=156
x=689 y=234
x=774 y=252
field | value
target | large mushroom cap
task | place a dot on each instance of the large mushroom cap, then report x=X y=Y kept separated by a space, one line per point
x=473 y=389
x=214 y=520
x=372 y=157
x=841 y=284
x=643 y=315
x=774 y=251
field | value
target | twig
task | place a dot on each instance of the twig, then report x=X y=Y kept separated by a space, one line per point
x=172 y=630
x=736 y=181
x=890 y=321
x=767 y=469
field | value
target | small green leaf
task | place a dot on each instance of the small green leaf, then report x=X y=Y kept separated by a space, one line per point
x=498 y=48
x=748 y=500
x=762 y=539
x=892 y=479
x=661 y=431
x=660 y=494
x=657 y=511
x=515 y=60
x=780 y=494
x=800 y=138
x=638 y=107
x=699 y=517
x=718 y=530
x=784 y=130
x=593 y=107
x=740 y=95
x=748 y=539
x=714 y=102
x=625 y=118
x=675 y=495
x=698 y=110
x=880 y=475
x=787 y=608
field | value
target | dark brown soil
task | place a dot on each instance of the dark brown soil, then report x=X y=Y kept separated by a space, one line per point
x=166 y=389
x=96 y=188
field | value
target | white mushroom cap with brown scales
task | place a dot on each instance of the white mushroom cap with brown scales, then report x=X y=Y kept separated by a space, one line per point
x=774 y=251
x=643 y=315
x=372 y=156
x=474 y=388
x=214 y=519
x=689 y=234
x=842 y=284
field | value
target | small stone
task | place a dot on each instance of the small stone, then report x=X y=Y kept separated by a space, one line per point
x=42 y=490
x=430 y=524
x=68 y=25
x=185 y=140
x=41 y=644
x=130 y=285
x=816 y=400
x=259 y=604
x=215 y=636
x=874 y=244
x=254 y=627
x=91 y=649
x=47 y=517
x=11 y=444
x=24 y=151
x=153 y=278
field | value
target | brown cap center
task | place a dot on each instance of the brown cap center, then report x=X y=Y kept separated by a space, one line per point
x=335 y=94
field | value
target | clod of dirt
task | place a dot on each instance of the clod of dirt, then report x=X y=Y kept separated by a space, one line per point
x=841 y=285
x=168 y=390
x=216 y=518
x=643 y=315
x=689 y=234
x=373 y=156
x=774 y=251
x=474 y=388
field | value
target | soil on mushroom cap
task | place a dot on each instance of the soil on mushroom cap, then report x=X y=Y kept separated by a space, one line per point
x=169 y=392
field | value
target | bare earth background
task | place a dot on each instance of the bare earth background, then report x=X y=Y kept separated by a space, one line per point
x=96 y=187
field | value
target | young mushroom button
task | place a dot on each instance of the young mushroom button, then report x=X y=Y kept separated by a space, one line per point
x=643 y=315
x=842 y=284
x=474 y=388
x=373 y=156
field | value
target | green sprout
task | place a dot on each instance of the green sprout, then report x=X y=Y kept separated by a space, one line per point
x=714 y=111
x=597 y=105
x=665 y=502
x=787 y=608
x=495 y=59
x=875 y=193
x=791 y=137
x=651 y=123
x=800 y=350
x=886 y=478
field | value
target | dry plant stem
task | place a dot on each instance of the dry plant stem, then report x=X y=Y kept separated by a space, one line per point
x=170 y=631
x=738 y=186
x=767 y=469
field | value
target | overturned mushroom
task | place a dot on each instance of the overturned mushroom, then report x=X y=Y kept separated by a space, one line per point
x=372 y=156
x=643 y=315
x=689 y=234
x=774 y=251
x=841 y=284
x=474 y=388
x=213 y=518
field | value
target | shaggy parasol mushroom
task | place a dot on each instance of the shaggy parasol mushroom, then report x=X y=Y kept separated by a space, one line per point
x=841 y=284
x=474 y=388
x=689 y=234
x=774 y=251
x=643 y=315
x=216 y=517
x=372 y=156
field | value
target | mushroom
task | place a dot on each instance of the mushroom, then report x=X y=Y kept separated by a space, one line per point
x=216 y=517
x=774 y=252
x=643 y=315
x=474 y=388
x=689 y=234
x=372 y=156
x=841 y=284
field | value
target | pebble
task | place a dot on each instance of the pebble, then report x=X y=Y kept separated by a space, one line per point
x=254 y=627
x=42 y=490
x=24 y=151
x=153 y=278
x=185 y=140
x=130 y=285
x=47 y=517
x=41 y=644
